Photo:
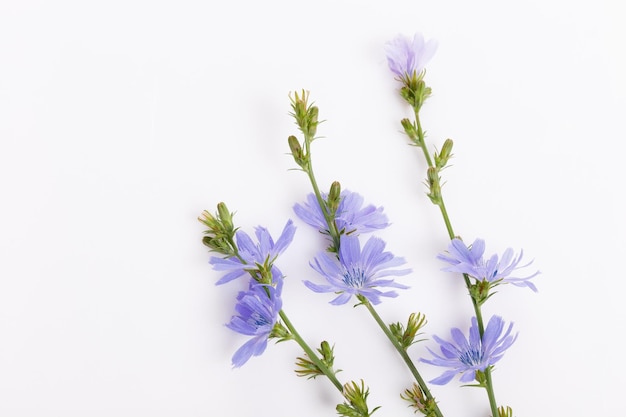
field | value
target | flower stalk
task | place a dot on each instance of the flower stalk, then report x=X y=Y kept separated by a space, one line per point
x=435 y=194
x=329 y=208
x=403 y=354
x=327 y=371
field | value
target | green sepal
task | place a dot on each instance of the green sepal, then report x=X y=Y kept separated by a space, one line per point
x=305 y=114
x=334 y=198
x=481 y=379
x=299 y=155
x=481 y=291
x=442 y=157
x=308 y=368
x=417 y=399
x=280 y=332
x=220 y=230
x=356 y=405
x=505 y=412
x=415 y=91
x=433 y=181
x=411 y=131
x=406 y=335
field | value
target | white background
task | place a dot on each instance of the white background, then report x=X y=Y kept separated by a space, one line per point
x=121 y=121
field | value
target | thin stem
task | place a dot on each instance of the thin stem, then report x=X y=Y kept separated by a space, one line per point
x=332 y=227
x=451 y=235
x=490 y=393
x=401 y=351
x=421 y=137
x=330 y=374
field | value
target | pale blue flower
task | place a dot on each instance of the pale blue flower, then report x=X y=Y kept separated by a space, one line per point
x=465 y=356
x=257 y=313
x=407 y=57
x=351 y=216
x=252 y=254
x=358 y=272
x=470 y=261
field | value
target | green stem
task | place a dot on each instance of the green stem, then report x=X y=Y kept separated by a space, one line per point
x=330 y=374
x=332 y=226
x=451 y=235
x=401 y=351
x=421 y=137
x=490 y=393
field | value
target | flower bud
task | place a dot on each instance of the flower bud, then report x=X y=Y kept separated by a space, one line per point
x=208 y=220
x=441 y=159
x=505 y=412
x=312 y=120
x=357 y=401
x=306 y=115
x=334 y=198
x=434 y=186
x=410 y=130
x=296 y=151
x=225 y=217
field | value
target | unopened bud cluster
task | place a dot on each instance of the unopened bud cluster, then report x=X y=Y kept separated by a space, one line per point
x=406 y=335
x=305 y=114
x=220 y=230
x=307 y=367
x=417 y=400
x=415 y=91
x=356 y=405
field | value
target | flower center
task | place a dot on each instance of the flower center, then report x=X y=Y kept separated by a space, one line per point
x=354 y=277
x=471 y=357
x=258 y=320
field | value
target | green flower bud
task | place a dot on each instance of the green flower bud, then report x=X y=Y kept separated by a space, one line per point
x=306 y=115
x=406 y=335
x=434 y=186
x=208 y=220
x=308 y=368
x=505 y=412
x=297 y=152
x=313 y=114
x=410 y=130
x=357 y=401
x=415 y=396
x=226 y=217
x=220 y=230
x=480 y=291
x=441 y=159
x=280 y=332
x=415 y=90
x=334 y=198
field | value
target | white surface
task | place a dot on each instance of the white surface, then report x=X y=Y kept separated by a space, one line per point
x=121 y=121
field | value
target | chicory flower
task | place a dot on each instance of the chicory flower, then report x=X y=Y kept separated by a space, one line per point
x=407 y=58
x=465 y=356
x=257 y=314
x=470 y=261
x=351 y=216
x=358 y=272
x=252 y=255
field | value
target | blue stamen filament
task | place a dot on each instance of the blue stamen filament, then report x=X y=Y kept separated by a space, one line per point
x=258 y=320
x=354 y=277
x=471 y=357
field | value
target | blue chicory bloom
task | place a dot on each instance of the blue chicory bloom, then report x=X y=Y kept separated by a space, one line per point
x=358 y=272
x=407 y=57
x=470 y=261
x=465 y=357
x=351 y=216
x=257 y=313
x=265 y=251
